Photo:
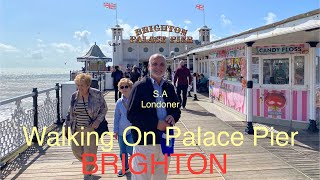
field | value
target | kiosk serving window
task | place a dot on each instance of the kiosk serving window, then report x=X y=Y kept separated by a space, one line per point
x=276 y=71
x=298 y=67
x=255 y=69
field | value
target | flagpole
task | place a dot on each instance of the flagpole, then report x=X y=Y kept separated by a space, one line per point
x=117 y=15
x=204 y=18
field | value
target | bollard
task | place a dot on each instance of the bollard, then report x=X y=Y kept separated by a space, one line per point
x=58 y=121
x=35 y=111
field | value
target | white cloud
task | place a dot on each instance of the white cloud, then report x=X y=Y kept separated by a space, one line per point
x=214 y=37
x=128 y=30
x=63 y=47
x=106 y=49
x=40 y=44
x=35 y=54
x=187 y=21
x=109 y=32
x=194 y=34
x=4 y=48
x=82 y=36
x=169 y=22
x=225 y=21
x=270 y=18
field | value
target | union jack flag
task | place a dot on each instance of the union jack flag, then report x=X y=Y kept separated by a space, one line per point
x=110 y=5
x=200 y=6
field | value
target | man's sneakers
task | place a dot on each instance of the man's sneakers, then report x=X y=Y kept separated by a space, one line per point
x=121 y=174
x=183 y=108
x=87 y=177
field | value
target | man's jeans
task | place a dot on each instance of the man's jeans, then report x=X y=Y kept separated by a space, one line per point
x=184 y=89
x=124 y=148
x=117 y=93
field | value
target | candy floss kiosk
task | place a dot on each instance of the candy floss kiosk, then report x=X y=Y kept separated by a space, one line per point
x=280 y=75
x=276 y=67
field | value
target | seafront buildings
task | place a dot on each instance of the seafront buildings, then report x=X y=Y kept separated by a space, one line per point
x=149 y=40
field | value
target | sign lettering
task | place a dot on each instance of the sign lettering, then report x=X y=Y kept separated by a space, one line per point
x=141 y=38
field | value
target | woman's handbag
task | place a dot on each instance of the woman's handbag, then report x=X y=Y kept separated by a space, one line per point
x=103 y=126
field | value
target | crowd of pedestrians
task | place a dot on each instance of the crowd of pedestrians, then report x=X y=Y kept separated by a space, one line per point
x=132 y=86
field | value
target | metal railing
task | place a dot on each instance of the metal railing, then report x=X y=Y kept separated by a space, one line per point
x=45 y=112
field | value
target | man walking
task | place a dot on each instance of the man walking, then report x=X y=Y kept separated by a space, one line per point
x=117 y=76
x=152 y=120
x=184 y=79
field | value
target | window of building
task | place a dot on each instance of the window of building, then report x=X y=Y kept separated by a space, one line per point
x=276 y=71
x=176 y=49
x=130 y=49
x=161 y=49
x=255 y=70
x=298 y=68
x=145 y=49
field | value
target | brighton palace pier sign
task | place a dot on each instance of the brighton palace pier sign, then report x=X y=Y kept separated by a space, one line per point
x=140 y=38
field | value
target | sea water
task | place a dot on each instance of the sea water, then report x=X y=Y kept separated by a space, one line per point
x=20 y=81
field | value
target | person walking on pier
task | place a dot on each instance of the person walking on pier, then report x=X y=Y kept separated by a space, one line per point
x=153 y=119
x=121 y=123
x=81 y=119
x=134 y=75
x=117 y=75
x=184 y=79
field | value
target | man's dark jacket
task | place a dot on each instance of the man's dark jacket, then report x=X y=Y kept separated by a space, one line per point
x=146 y=119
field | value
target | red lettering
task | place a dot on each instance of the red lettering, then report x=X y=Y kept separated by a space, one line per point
x=204 y=164
x=178 y=161
x=165 y=163
x=85 y=163
x=103 y=163
x=224 y=169
x=141 y=163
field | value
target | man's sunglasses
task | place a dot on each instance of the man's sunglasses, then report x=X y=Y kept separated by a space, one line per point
x=124 y=87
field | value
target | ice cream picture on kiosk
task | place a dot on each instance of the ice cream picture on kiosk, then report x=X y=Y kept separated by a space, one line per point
x=275 y=100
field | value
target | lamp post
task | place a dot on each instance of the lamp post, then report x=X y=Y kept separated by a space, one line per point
x=114 y=43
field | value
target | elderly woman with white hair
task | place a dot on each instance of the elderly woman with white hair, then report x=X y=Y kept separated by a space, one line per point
x=87 y=110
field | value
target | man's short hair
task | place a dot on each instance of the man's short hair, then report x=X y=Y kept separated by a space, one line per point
x=156 y=56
